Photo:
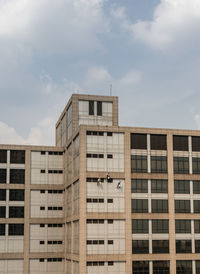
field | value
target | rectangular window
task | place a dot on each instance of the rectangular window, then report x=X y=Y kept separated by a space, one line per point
x=138 y=164
x=161 y=267
x=139 y=186
x=180 y=143
x=181 y=165
x=138 y=141
x=196 y=226
x=159 y=186
x=158 y=164
x=3 y=156
x=16 y=229
x=16 y=195
x=17 y=176
x=182 y=206
x=160 y=226
x=140 y=226
x=197 y=246
x=196 y=206
x=158 y=142
x=91 y=107
x=3 y=175
x=16 y=212
x=159 y=206
x=197 y=267
x=139 y=267
x=160 y=246
x=2 y=194
x=196 y=187
x=195 y=143
x=181 y=187
x=17 y=156
x=183 y=267
x=2 y=212
x=140 y=206
x=2 y=229
x=183 y=246
x=140 y=247
x=195 y=165
x=183 y=226
x=99 y=108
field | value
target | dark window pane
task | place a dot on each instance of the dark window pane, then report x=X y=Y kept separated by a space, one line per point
x=138 y=164
x=159 y=186
x=160 y=226
x=2 y=212
x=183 y=246
x=3 y=156
x=140 y=247
x=180 y=143
x=138 y=141
x=161 y=267
x=17 y=176
x=197 y=267
x=99 y=108
x=160 y=246
x=139 y=206
x=183 y=226
x=197 y=246
x=181 y=186
x=16 y=195
x=196 y=226
x=182 y=206
x=195 y=165
x=158 y=142
x=140 y=267
x=184 y=267
x=196 y=187
x=139 y=186
x=16 y=229
x=2 y=194
x=2 y=229
x=17 y=156
x=91 y=107
x=16 y=212
x=159 y=206
x=181 y=165
x=195 y=143
x=140 y=226
x=158 y=164
x=196 y=206
x=3 y=173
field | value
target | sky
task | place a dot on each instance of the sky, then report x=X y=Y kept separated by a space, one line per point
x=149 y=50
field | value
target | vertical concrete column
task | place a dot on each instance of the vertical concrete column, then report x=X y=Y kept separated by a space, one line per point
x=65 y=206
x=82 y=203
x=127 y=193
x=171 y=203
x=27 y=210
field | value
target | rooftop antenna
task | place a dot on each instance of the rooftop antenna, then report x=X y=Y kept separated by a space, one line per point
x=110 y=89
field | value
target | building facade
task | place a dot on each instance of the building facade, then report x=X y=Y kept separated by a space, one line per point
x=106 y=199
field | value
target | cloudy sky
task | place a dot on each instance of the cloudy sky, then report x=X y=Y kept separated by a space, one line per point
x=149 y=50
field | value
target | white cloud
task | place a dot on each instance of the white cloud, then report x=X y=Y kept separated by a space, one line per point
x=100 y=79
x=131 y=78
x=53 y=26
x=197 y=120
x=97 y=75
x=9 y=135
x=41 y=134
x=174 y=21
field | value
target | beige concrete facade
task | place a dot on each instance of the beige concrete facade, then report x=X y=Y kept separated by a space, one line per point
x=82 y=196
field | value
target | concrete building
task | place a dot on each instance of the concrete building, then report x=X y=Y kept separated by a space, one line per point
x=106 y=199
